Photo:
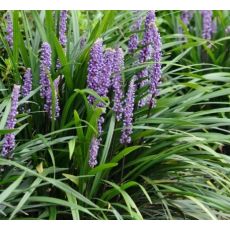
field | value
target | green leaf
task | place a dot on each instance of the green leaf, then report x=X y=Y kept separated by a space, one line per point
x=101 y=168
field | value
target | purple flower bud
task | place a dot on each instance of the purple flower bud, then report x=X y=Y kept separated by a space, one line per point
x=128 y=113
x=62 y=27
x=207 y=24
x=82 y=41
x=9 y=139
x=117 y=83
x=94 y=147
x=27 y=83
x=9 y=31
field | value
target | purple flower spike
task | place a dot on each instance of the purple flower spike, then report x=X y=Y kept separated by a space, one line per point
x=9 y=139
x=9 y=31
x=147 y=51
x=117 y=83
x=27 y=83
x=46 y=90
x=134 y=39
x=95 y=67
x=156 y=71
x=207 y=24
x=186 y=16
x=133 y=43
x=57 y=106
x=94 y=147
x=107 y=71
x=45 y=65
x=128 y=113
x=62 y=27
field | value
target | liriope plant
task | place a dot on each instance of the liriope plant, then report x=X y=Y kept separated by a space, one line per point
x=119 y=122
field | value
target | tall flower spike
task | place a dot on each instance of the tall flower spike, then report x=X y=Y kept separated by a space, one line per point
x=46 y=91
x=207 y=24
x=62 y=27
x=105 y=82
x=57 y=106
x=95 y=67
x=146 y=52
x=107 y=72
x=134 y=39
x=9 y=139
x=27 y=83
x=45 y=65
x=156 y=71
x=117 y=83
x=9 y=30
x=128 y=113
x=93 y=152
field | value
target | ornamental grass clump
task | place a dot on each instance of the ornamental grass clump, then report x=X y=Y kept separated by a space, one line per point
x=82 y=147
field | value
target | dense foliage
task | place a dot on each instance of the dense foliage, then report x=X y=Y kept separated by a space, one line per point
x=67 y=155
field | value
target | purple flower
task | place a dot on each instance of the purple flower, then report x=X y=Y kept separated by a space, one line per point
x=62 y=27
x=94 y=147
x=133 y=43
x=117 y=83
x=128 y=113
x=27 y=83
x=186 y=16
x=107 y=71
x=9 y=139
x=134 y=39
x=147 y=51
x=156 y=70
x=99 y=73
x=9 y=31
x=96 y=65
x=207 y=24
x=46 y=90
x=148 y=34
x=57 y=106
x=45 y=65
